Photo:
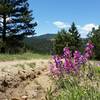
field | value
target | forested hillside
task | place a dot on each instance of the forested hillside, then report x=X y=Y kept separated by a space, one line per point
x=40 y=44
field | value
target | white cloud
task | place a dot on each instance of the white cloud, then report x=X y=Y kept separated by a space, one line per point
x=83 y=30
x=88 y=27
x=60 y=24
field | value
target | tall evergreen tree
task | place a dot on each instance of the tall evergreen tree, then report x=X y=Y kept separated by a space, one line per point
x=16 y=20
x=76 y=37
x=95 y=37
x=63 y=39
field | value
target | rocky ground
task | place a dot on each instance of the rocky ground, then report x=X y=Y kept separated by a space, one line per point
x=24 y=80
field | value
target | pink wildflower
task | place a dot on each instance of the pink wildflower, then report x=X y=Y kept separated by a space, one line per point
x=66 y=63
x=77 y=63
x=54 y=70
x=67 y=53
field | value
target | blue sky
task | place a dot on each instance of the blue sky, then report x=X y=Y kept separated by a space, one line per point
x=52 y=15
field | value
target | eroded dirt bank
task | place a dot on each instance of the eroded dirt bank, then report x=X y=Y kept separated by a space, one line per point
x=24 y=80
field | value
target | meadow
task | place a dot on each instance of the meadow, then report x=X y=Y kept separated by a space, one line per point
x=33 y=76
x=59 y=65
x=76 y=78
x=23 y=56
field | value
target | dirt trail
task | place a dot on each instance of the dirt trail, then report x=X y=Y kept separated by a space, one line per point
x=24 y=79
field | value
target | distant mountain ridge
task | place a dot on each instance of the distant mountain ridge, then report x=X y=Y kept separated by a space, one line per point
x=42 y=43
x=46 y=36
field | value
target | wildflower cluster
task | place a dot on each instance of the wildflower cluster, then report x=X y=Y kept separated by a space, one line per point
x=66 y=63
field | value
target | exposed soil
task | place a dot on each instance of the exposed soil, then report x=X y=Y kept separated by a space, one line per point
x=24 y=80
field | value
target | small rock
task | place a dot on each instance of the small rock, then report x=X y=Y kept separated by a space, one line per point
x=22 y=77
x=33 y=76
x=39 y=73
x=14 y=99
x=24 y=97
x=4 y=83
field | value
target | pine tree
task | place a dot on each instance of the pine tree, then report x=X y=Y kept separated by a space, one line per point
x=95 y=37
x=63 y=39
x=16 y=21
x=76 y=37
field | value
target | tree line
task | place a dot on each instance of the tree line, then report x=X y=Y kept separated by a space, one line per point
x=72 y=39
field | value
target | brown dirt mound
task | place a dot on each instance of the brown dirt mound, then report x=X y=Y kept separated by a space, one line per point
x=24 y=80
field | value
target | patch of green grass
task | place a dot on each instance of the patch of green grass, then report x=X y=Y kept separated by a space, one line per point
x=78 y=94
x=97 y=70
x=24 y=56
x=71 y=90
x=84 y=87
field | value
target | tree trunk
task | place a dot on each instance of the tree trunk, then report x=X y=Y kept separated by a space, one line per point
x=4 y=34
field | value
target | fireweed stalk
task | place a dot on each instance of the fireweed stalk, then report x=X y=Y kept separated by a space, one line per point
x=55 y=67
x=68 y=64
